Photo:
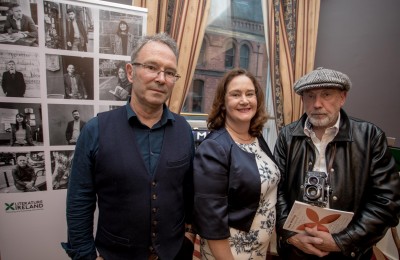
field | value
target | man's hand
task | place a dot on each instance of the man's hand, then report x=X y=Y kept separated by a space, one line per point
x=29 y=185
x=189 y=233
x=328 y=243
x=308 y=244
x=190 y=236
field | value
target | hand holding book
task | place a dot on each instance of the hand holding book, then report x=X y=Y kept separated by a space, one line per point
x=303 y=215
x=120 y=93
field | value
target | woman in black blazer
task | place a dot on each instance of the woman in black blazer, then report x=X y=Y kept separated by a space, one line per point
x=235 y=177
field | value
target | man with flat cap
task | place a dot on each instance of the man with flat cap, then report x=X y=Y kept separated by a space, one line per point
x=352 y=163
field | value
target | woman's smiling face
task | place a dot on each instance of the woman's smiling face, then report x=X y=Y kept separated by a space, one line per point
x=240 y=100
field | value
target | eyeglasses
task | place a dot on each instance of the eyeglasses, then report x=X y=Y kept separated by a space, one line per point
x=170 y=75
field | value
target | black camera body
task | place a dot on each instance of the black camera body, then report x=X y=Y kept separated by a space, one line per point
x=316 y=189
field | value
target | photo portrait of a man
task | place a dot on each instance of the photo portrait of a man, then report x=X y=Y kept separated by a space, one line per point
x=20 y=28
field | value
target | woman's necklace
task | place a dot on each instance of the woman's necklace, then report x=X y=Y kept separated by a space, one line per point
x=237 y=135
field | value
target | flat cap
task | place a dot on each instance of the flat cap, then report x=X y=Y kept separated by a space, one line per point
x=322 y=78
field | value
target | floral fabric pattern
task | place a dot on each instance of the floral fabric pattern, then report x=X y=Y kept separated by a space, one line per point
x=254 y=244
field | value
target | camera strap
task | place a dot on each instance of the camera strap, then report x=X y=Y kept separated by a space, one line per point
x=330 y=165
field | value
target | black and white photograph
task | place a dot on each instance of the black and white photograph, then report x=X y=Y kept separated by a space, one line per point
x=69 y=77
x=20 y=74
x=60 y=168
x=66 y=122
x=22 y=172
x=118 y=32
x=21 y=124
x=113 y=81
x=19 y=23
x=104 y=108
x=61 y=63
x=68 y=27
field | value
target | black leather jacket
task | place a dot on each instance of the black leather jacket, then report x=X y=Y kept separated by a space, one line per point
x=364 y=181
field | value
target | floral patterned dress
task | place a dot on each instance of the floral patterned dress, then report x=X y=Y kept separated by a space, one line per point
x=254 y=244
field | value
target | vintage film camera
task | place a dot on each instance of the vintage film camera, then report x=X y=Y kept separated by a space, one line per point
x=316 y=189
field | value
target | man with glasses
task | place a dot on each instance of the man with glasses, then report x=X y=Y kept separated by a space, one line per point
x=136 y=161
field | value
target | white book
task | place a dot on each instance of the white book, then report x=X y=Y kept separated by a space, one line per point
x=120 y=93
x=304 y=215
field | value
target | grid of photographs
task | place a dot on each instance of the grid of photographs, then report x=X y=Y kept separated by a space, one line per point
x=61 y=63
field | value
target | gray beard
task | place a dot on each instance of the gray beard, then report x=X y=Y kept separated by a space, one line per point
x=320 y=122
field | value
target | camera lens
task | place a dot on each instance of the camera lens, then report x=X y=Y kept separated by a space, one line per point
x=313 y=180
x=313 y=192
x=314 y=188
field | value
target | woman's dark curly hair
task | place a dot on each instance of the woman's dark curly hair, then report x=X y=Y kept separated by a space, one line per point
x=217 y=115
x=119 y=31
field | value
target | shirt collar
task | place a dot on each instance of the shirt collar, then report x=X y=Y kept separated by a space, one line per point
x=308 y=127
x=166 y=115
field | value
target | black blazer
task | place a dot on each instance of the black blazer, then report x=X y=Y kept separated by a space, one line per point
x=70 y=31
x=227 y=185
x=27 y=25
x=70 y=129
x=13 y=87
x=68 y=86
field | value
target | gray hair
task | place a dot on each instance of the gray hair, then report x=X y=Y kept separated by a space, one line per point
x=161 y=38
